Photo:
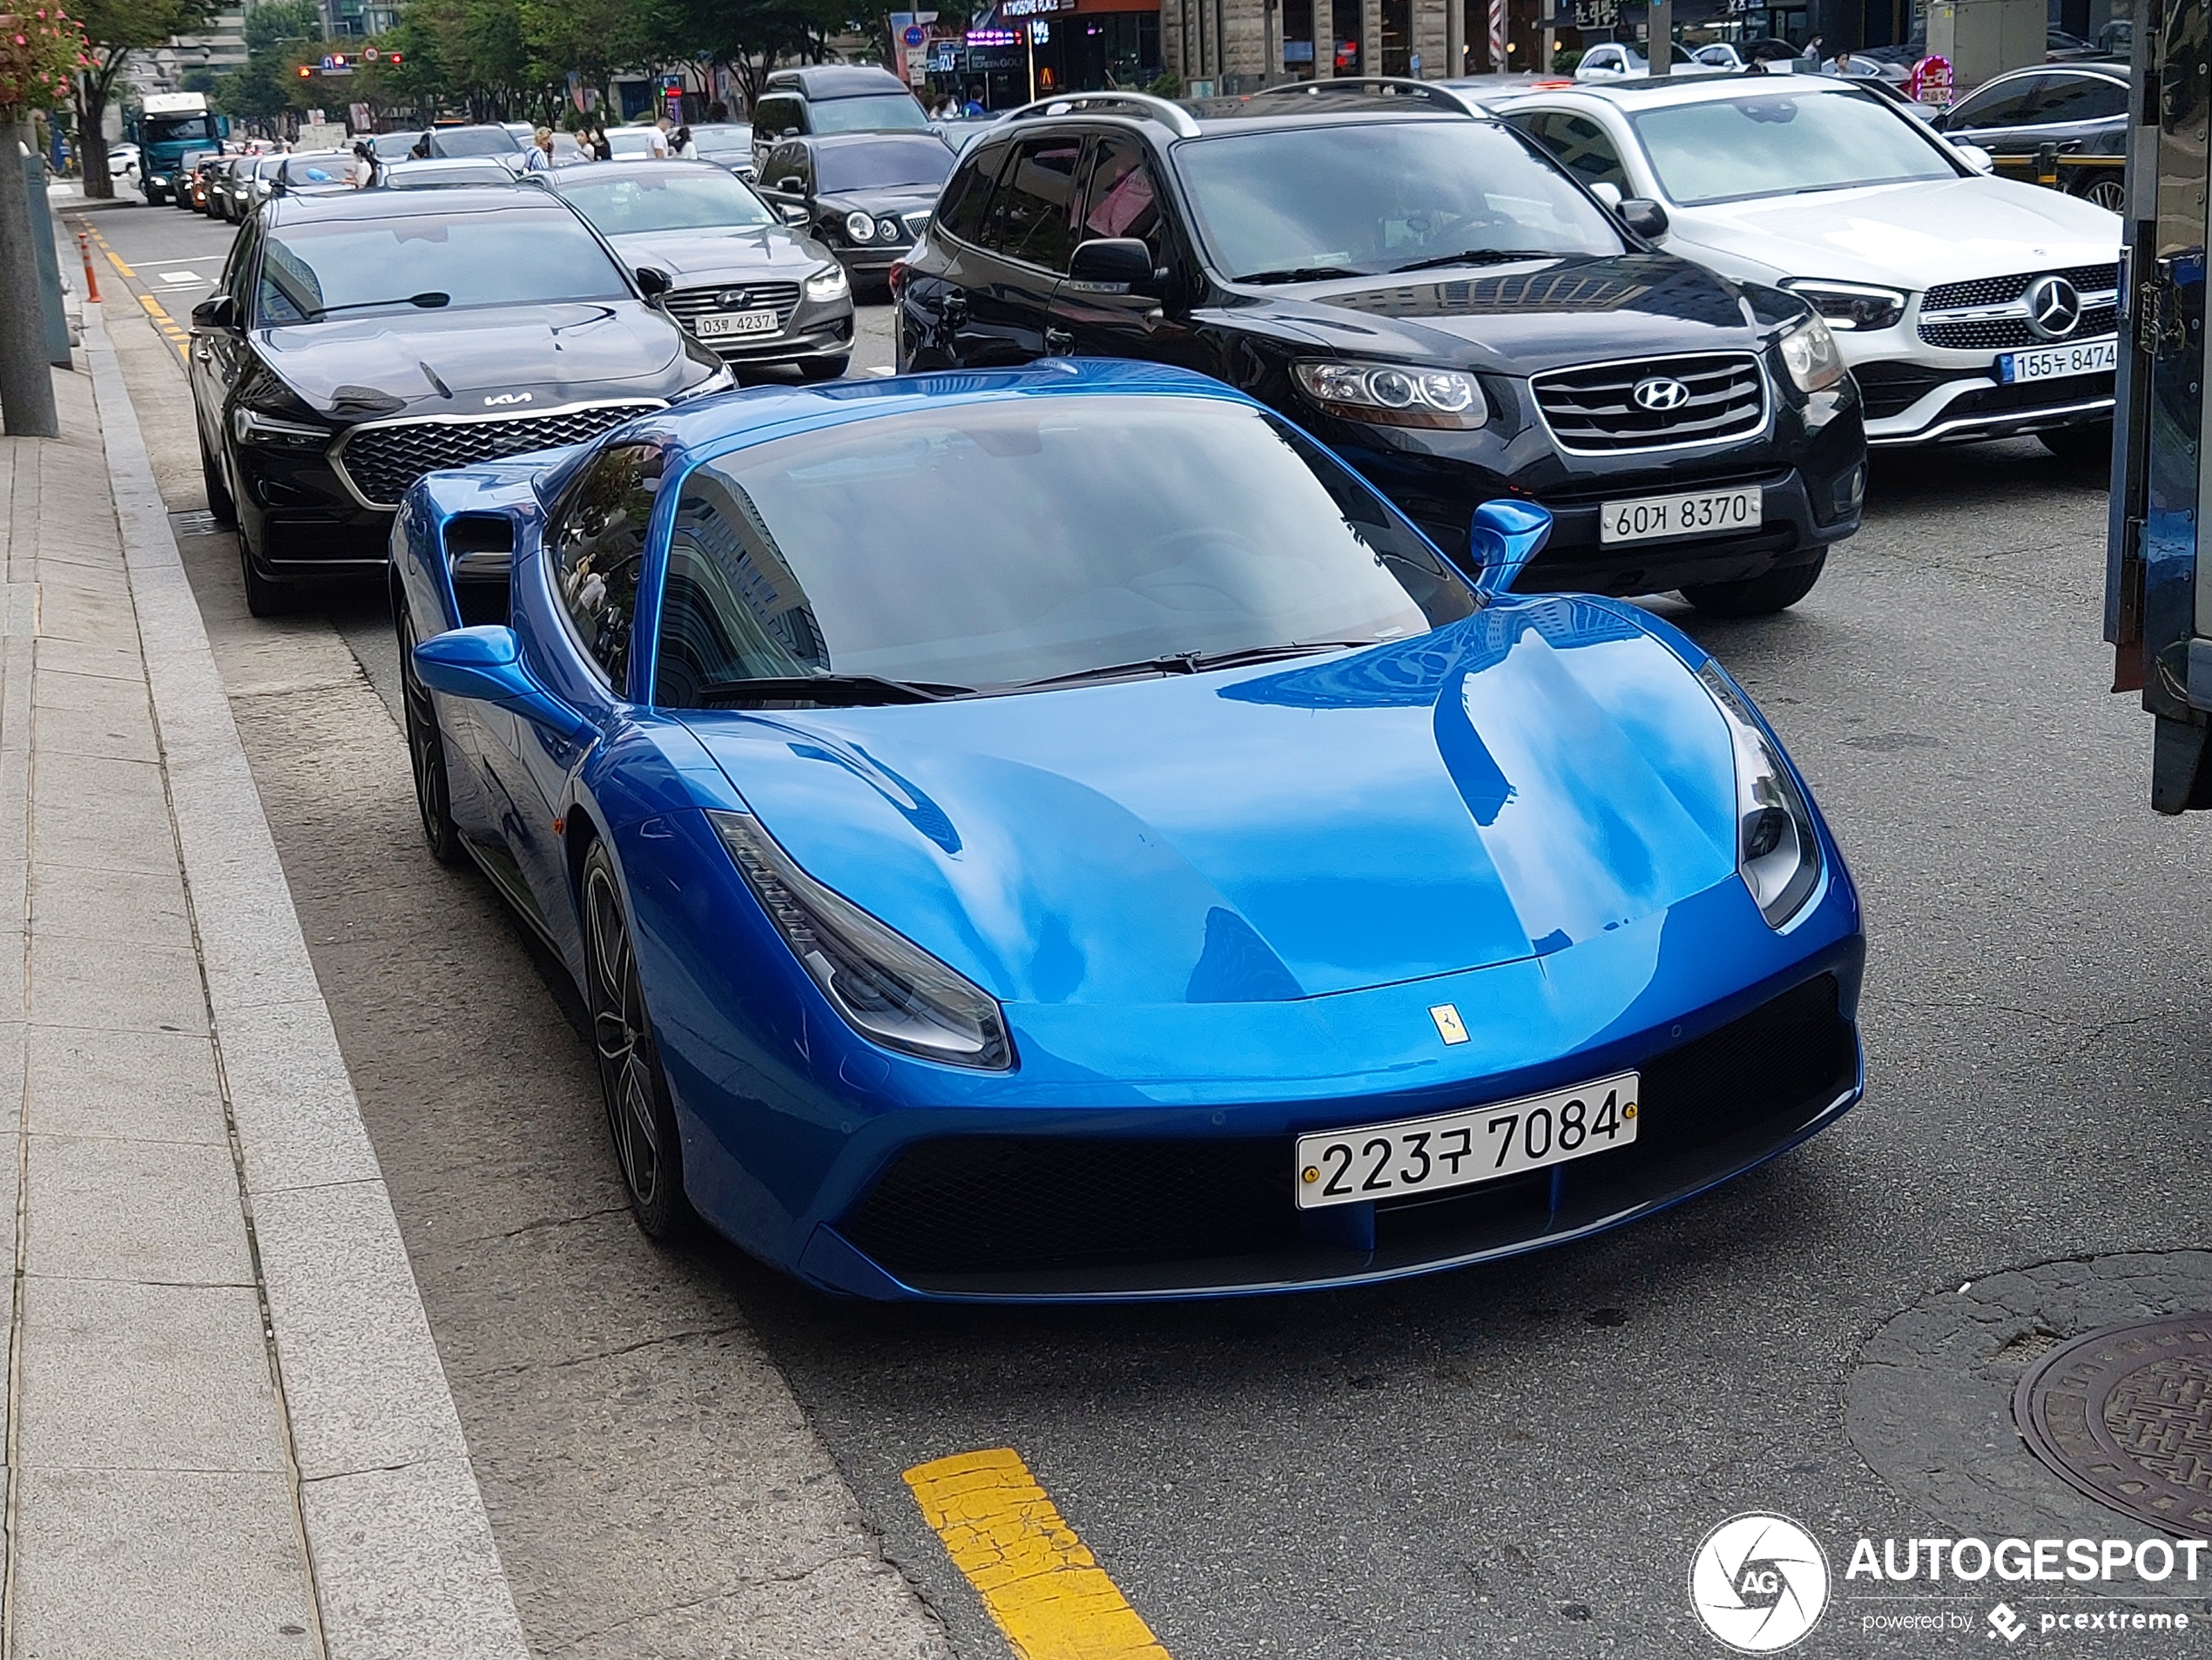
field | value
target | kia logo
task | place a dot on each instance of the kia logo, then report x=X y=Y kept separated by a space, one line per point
x=1661 y=395
x=506 y=397
x=2054 y=307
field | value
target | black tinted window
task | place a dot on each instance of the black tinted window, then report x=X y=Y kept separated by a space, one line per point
x=1582 y=146
x=1094 y=530
x=598 y=552
x=505 y=256
x=2079 y=98
x=774 y=116
x=2004 y=106
x=960 y=209
x=1033 y=213
x=1122 y=198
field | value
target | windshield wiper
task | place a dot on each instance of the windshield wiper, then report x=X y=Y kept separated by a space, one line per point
x=1478 y=256
x=1301 y=273
x=429 y=301
x=855 y=689
x=1196 y=662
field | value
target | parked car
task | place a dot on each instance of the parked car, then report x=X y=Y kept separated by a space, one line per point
x=726 y=143
x=460 y=170
x=2079 y=108
x=123 y=161
x=1611 y=60
x=918 y=964
x=223 y=182
x=757 y=292
x=1440 y=303
x=447 y=143
x=1742 y=54
x=831 y=98
x=191 y=178
x=356 y=341
x=630 y=143
x=311 y=172
x=863 y=195
x=1967 y=306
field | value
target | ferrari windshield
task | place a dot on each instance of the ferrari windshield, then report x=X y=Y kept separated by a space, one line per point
x=1095 y=532
x=1305 y=203
x=665 y=198
x=506 y=256
x=1728 y=149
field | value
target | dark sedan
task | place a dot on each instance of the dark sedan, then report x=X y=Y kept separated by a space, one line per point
x=357 y=342
x=1436 y=299
x=2078 y=111
x=761 y=295
x=864 y=195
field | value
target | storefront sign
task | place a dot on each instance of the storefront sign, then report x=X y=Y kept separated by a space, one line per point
x=993 y=37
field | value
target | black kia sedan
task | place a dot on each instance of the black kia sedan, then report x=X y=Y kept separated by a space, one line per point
x=758 y=291
x=355 y=342
x=1434 y=297
x=865 y=196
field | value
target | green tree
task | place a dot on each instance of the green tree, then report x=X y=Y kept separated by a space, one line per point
x=114 y=30
x=262 y=88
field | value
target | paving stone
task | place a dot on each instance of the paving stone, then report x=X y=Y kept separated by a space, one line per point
x=155 y=1086
x=94 y=732
x=122 y=907
x=298 y=1122
x=103 y=1208
x=89 y=983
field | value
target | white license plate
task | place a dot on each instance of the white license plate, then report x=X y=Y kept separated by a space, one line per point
x=1458 y=1149
x=2056 y=362
x=1647 y=518
x=717 y=324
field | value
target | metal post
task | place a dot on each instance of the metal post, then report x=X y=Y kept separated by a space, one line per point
x=1456 y=38
x=27 y=407
x=1659 y=50
x=92 y=278
x=1029 y=43
x=1271 y=68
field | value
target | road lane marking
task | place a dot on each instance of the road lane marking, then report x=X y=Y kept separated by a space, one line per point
x=166 y=324
x=1039 y=1582
x=121 y=269
x=182 y=276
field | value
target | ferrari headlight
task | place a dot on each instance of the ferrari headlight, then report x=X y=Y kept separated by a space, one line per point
x=829 y=285
x=1393 y=394
x=1776 y=851
x=1850 y=304
x=888 y=988
x=859 y=226
x=251 y=426
x=1810 y=354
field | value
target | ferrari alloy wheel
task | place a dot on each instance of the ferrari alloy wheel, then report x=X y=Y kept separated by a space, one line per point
x=639 y=1112
x=426 y=751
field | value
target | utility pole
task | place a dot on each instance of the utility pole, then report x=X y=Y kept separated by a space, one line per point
x=1455 y=39
x=1659 y=50
x=26 y=383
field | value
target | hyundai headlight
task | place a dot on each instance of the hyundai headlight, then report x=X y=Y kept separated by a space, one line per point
x=1777 y=853
x=251 y=426
x=1810 y=354
x=859 y=226
x=829 y=285
x=1394 y=394
x=888 y=988
x=1851 y=305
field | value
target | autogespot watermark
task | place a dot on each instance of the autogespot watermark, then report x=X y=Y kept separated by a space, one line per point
x=1761 y=1582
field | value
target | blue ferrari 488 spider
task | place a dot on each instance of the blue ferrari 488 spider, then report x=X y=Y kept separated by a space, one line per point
x=1058 y=833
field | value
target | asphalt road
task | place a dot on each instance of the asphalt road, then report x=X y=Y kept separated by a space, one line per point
x=1513 y=1459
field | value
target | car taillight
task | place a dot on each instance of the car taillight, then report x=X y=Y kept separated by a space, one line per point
x=897 y=277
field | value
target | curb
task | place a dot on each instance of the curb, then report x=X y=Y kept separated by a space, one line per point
x=404 y=1564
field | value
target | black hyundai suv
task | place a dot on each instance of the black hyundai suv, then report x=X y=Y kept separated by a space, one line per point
x=1439 y=300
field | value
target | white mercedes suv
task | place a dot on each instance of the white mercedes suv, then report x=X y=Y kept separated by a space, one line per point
x=1967 y=306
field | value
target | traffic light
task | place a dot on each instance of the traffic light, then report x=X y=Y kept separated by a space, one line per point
x=393 y=59
x=304 y=72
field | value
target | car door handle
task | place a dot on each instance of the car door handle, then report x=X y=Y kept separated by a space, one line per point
x=956 y=311
x=1058 y=340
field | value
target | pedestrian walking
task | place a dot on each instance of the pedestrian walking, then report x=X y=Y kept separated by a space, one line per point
x=680 y=144
x=365 y=168
x=540 y=159
x=656 y=140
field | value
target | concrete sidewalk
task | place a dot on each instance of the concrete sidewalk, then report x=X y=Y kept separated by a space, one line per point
x=229 y=1433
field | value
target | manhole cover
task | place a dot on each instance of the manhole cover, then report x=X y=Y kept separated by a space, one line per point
x=2125 y=1415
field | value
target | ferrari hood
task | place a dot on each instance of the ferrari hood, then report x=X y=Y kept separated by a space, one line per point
x=1905 y=236
x=450 y=363
x=1537 y=775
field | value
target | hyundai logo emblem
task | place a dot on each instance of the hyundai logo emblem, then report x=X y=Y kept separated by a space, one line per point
x=1660 y=395
x=732 y=299
x=2054 y=307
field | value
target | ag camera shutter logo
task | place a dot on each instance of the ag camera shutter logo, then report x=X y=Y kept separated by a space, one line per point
x=1759 y=1582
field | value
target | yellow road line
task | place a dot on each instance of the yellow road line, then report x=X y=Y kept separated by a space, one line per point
x=166 y=324
x=1038 y=1582
x=121 y=269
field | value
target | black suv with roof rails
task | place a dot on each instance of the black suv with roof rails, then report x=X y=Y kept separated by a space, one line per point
x=832 y=98
x=1435 y=298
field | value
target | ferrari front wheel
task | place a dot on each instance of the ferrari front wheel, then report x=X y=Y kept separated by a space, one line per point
x=640 y=1116
x=426 y=751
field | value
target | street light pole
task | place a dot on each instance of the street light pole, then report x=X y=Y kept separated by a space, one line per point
x=1659 y=50
x=27 y=407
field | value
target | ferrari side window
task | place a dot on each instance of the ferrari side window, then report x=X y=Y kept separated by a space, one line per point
x=731 y=608
x=598 y=553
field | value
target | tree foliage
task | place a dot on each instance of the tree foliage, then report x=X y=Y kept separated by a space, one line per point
x=41 y=46
x=114 y=29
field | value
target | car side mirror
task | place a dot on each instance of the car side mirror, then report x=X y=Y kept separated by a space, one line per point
x=1112 y=265
x=1976 y=157
x=485 y=665
x=1608 y=192
x=653 y=281
x=1643 y=216
x=793 y=213
x=1503 y=539
x=218 y=315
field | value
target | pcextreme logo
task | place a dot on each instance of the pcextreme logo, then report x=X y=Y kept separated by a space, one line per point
x=1759 y=1582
